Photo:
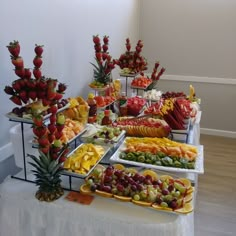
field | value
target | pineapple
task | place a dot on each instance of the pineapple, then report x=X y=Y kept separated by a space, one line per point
x=47 y=172
x=100 y=73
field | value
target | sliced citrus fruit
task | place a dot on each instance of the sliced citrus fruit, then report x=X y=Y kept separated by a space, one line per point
x=142 y=203
x=152 y=173
x=122 y=198
x=158 y=207
x=165 y=177
x=186 y=182
x=188 y=197
x=187 y=208
x=119 y=166
x=85 y=189
x=190 y=190
x=103 y=194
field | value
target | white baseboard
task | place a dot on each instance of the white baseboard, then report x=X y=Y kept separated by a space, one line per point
x=216 y=132
x=6 y=151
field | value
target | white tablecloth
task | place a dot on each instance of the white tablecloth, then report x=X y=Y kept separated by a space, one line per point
x=21 y=214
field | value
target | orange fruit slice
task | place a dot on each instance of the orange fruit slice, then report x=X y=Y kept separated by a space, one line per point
x=188 y=197
x=186 y=182
x=119 y=166
x=152 y=173
x=122 y=198
x=85 y=189
x=103 y=194
x=142 y=203
x=188 y=207
x=158 y=207
x=190 y=190
x=165 y=177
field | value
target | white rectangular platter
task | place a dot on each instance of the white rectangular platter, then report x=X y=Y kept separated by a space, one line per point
x=199 y=164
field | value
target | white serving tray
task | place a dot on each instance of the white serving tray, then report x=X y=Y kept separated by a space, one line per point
x=199 y=164
x=14 y=117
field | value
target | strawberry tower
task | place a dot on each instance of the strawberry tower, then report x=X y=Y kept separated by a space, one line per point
x=41 y=96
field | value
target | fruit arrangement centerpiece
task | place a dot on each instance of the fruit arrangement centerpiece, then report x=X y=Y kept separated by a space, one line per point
x=104 y=63
x=41 y=94
x=132 y=62
x=141 y=188
x=32 y=95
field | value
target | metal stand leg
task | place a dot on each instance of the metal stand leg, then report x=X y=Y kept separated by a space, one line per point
x=23 y=147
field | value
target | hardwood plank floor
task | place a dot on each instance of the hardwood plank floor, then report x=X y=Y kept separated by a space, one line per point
x=215 y=212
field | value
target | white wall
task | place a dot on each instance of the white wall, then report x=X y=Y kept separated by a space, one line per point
x=195 y=41
x=65 y=28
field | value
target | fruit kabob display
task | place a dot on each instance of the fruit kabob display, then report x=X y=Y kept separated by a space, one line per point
x=32 y=94
x=132 y=62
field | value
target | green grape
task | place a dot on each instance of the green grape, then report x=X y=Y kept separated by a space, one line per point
x=164 y=204
x=136 y=197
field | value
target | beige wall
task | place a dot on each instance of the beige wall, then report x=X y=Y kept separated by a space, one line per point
x=191 y=37
x=195 y=38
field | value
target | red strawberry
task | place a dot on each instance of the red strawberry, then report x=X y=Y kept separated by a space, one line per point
x=128 y=47
x=20 y=72
x=37 y=73
x=53 y=119
x=38 y=50
x=16 y=100
x=96 y=39
x=51 y=137
x=37 y=61
x=58 y=134
x=60 y=128
x=98 y=56
x=127 y=40
x=104 y=56
x=45 y=149
x=22 y=82
x=43 y=141
x=104 y=47
x=62 y=159
x=27 y=73
x=17 y=62
x=157 y=65
x=24 y=96
x=31 y=83
x=98 y=48
x=53 y=109
x=51 y=94
x=58 y=96
x=38 y=120
x=61 y=87
x=51 y=83
x=14 y=48
x=16 y=85
x=41 y=94
x=9 y=90
x=52 y=128
x=40 y=131
x=45 y=102
x=42 y=84
x=54 y=156
x=106 y=39
x=32 y=94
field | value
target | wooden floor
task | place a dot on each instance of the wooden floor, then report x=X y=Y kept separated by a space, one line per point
x=215 y=212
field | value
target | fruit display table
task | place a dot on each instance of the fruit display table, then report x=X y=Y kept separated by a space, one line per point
x=22 y=214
